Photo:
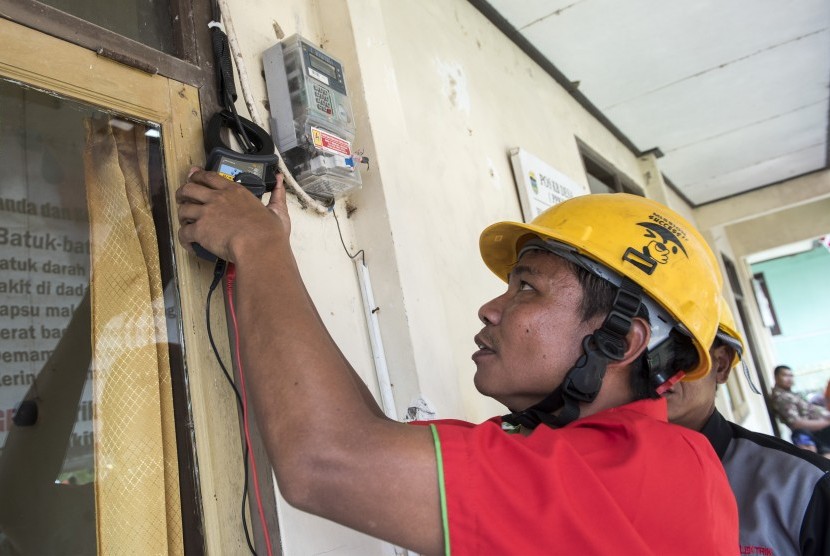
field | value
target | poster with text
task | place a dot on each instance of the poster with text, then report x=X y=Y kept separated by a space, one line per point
x=540 y=185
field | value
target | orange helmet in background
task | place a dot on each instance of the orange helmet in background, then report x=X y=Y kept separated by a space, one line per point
x=728 y=332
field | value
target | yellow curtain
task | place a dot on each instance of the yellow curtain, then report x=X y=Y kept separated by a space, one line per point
x=136 y=467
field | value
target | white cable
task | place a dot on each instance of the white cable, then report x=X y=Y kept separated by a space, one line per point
x=304 y=198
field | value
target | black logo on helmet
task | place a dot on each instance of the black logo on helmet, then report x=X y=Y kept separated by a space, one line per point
x=662 y=242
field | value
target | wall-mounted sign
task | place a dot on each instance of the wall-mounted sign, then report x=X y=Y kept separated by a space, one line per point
x=540 y=186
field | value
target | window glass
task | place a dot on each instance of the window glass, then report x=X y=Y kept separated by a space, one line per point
x=598 y=186
x=603 y=177
x=84 y=352
x=149 y=22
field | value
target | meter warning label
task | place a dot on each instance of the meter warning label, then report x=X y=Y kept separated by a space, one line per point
x=328 y=142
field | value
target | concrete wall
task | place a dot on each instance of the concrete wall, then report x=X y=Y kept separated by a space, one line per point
x=440 y=97
x=447 y=96
x=328 y=272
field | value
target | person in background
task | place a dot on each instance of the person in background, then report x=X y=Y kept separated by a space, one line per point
x=810 y=423
x=607 y=298
x=783 y=492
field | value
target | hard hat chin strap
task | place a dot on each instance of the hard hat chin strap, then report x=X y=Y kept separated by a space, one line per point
x=583 y=381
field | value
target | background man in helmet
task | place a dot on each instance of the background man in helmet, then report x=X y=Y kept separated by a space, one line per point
x=783 y=492
x=563 y=347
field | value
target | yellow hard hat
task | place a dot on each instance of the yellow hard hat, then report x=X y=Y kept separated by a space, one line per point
x=728 y=332
x=634 y=237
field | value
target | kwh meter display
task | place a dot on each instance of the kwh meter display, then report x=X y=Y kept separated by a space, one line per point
x=311 y=117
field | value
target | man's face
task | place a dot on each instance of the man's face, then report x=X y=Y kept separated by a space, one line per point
x=533 y=332
x=692 y=403
x=784 y=379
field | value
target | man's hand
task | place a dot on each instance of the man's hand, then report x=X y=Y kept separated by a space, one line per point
x=226 y=219
x=807 y=424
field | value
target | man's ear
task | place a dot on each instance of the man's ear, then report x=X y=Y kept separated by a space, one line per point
x=636 y=341
x=721 y=362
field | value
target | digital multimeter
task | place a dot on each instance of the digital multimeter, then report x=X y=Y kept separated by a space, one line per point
x=255 y=171
x=231 y=165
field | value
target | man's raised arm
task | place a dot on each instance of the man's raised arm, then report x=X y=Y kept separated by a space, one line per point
x=334 y=453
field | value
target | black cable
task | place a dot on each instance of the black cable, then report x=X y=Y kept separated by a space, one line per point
x=360 y=253
x=225 y=80
x=218 y=272
x=239 y=132
x=228 y=95
x=225 y=83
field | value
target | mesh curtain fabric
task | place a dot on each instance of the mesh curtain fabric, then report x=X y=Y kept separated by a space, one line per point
x=136 y=466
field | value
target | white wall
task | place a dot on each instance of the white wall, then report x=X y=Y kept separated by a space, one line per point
x=447 y=96
x=440 y=96
x=327 y=271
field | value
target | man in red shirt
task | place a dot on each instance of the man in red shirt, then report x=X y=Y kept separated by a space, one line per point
x=607 y=296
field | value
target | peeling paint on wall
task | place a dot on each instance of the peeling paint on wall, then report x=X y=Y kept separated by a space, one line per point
x=454 y=84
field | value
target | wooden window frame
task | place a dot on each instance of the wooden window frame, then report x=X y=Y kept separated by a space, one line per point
x=47 y=63
x=761 y=282
x=602 y=170
x=195 y=67
x=738 y=402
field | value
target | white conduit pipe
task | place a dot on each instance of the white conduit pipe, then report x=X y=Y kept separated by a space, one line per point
x=370 y=310
x=387 y=400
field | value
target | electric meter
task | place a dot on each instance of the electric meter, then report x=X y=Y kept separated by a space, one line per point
x=311 y=117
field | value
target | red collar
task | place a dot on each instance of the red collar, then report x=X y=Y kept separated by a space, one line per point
x=656 y=409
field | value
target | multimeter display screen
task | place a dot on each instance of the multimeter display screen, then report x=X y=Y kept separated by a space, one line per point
x=321 y=65
x=231 y=167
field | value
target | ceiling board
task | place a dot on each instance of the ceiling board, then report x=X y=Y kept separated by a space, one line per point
x=735 y=94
